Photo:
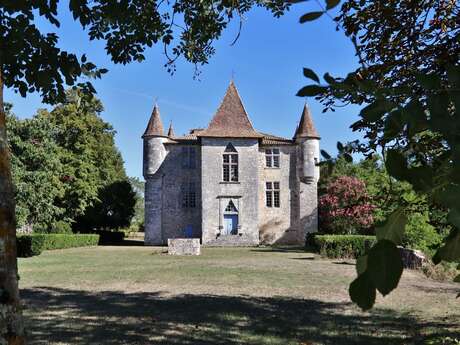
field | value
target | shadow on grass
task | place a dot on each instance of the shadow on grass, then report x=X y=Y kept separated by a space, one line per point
x=80 y=317
x=282 y=249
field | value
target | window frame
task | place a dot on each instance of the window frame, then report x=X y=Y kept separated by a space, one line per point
x=273 y=194
x=230 y=167
x=188 y=194
x=272 y=155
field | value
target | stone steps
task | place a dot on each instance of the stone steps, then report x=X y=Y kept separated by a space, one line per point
x=232 y=241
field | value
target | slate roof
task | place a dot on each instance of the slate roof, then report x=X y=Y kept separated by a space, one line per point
x=306 y=128
x=230 y=119
x=155 y=126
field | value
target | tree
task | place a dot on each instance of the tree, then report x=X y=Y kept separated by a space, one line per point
x=114 y=209
x=31 y=61
x=64 y=163
x=37 y=171
x=345 y=207
x=410 y=80
x=90 y=158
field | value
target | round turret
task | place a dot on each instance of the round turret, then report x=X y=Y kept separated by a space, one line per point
x=310 y=160
x=154 y=149
x=307 y=138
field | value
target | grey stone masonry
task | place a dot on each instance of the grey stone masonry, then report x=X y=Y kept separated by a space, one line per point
x=230 y=185
x=184 y=246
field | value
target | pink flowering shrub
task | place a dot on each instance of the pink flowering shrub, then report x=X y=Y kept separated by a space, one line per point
x=346 y=207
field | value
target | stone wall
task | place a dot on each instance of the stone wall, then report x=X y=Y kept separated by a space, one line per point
x=277 y=225
x=164 y=215
x=184 y=246
x=307 y=211
x=166 y=218
x=216 y=194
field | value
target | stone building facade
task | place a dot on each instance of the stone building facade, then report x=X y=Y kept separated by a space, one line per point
x=229 y=184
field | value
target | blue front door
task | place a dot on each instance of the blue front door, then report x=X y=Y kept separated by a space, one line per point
x=230 y=224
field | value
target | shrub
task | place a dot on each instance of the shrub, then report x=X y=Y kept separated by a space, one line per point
x=421 y=235
x=34 y=244
x=29 y=245
x=343 y=246
x=345 y=208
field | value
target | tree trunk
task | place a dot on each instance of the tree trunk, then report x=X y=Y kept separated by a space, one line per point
x=11 y=322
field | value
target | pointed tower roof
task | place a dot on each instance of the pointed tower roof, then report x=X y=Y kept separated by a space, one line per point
x=171 y=130
x=230 y=119
x=306 y=128
x=155 y=126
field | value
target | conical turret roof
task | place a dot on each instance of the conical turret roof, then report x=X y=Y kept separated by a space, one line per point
x=231 y=119
x=306 y=128
x=171 y=130
x=155 y=126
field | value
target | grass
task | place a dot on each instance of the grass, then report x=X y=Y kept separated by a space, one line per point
x=139 y=295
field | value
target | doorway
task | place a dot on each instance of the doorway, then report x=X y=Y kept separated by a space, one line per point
x=231 y=219
x=230 y=224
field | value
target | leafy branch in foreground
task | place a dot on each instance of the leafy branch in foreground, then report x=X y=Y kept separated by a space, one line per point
x=409 y=83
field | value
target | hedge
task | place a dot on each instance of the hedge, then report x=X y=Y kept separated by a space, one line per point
x=34 y=244
x=343 y=246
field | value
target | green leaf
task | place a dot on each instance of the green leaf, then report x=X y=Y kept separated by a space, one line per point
x=393 y=228
x=384 y=266
x=308 y=17
x=376 y=110
x=331 y=4
x=361 y=264
x=457 y=279
x=311 y=90
x=308 y=73
x=325 y=154
x=396 y=164
x=362 y=292
x=450 y=251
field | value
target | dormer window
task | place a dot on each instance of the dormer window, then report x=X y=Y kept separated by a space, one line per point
x=230 y=164
x=272 y=158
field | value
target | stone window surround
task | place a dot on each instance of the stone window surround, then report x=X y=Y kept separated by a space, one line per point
x=223 y=202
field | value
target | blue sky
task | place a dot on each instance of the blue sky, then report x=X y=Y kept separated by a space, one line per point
x=266 y=62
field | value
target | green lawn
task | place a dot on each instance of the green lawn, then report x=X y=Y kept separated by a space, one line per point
x=139 y=295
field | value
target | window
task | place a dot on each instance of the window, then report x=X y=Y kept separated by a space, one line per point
x=188 y=157
x=272 y=158
x=188 y=195
x=231 y=207
x=230 y=164
x=272 y=194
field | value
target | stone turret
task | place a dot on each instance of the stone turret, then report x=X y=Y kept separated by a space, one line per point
x=154 y=139
x=308 y=138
